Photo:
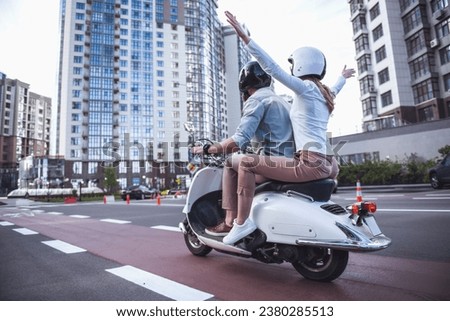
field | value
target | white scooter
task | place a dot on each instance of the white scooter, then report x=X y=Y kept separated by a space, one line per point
x=296 y=223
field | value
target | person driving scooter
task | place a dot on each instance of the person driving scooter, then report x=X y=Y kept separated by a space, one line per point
x=310 y=112
x=265 y=121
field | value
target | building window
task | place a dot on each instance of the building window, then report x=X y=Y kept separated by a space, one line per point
x=74 y=153
x=374 y=12
x=359 y=24
x=380 y=54
x=416 y=42
x=79 y=16
x=443 y=28
x=444 y=54
x=426 y=90
x=414 y=18
x=447 y=82
x=369 y=106
x=426 y=114
x=135 y=167
x=77 y=167
x=438 y=5
x=92 y=169
x=366 y=85
x=383 y=76
x=377 y=32
x=364 y=64
x=421 y=66
x=386 y=99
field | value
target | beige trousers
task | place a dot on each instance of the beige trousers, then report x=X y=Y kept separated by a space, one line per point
x=243 y=171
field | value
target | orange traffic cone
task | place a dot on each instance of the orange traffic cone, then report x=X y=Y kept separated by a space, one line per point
x=358 y=191
x=158 y=200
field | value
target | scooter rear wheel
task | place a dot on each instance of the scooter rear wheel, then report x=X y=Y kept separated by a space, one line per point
x=322 y=264
x=193 y=243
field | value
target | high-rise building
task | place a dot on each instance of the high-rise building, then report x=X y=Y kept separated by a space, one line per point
x=132 y=73
x=403 y=58
x=24 y=128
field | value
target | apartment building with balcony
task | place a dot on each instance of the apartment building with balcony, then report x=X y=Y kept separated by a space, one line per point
x=403 y=58
x=25 y=121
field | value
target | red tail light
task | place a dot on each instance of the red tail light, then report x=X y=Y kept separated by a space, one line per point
x=364 y=208
x=370 y=207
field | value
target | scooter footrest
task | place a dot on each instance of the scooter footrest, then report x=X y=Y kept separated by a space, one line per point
x=319 y=190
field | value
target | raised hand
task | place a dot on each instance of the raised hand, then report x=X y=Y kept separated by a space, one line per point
x=348 y=73
x=240 y=31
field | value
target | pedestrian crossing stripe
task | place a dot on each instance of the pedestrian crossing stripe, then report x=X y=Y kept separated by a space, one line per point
x=64 y=247
x=160 y=285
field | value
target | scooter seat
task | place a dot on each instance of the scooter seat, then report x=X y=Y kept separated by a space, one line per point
x=320 y=190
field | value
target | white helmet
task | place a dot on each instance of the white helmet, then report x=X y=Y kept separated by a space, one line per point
x=308 y=61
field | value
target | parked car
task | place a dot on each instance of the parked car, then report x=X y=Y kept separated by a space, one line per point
x=440 y=174
x=138 y=192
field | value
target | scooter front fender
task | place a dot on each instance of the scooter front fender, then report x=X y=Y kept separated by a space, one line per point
x=206 y=180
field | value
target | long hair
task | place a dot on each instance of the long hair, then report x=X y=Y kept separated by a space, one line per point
x=326 y=92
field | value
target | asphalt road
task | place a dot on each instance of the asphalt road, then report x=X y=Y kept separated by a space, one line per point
x=100 y=252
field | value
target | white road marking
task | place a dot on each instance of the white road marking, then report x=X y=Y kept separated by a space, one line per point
x=25 y=231
x=64 y=247
x=4 y=223
x=167 y=228
x=109 y=220
x=55 y=213
x=79 y=216
x=158 y=284
x=431 y=198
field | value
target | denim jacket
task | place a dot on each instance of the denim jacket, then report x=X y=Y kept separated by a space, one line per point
x=265 y=122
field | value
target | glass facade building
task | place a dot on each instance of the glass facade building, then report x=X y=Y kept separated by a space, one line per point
x=132 y=72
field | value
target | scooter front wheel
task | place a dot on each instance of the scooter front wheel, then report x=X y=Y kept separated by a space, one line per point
x=193 y=243
x=322 y=264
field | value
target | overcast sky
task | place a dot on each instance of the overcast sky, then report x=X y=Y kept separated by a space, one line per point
x=29 y=43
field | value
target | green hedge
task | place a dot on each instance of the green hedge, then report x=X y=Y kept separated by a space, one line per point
x=413 y=170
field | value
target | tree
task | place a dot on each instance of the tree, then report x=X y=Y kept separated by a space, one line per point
x=110 y=179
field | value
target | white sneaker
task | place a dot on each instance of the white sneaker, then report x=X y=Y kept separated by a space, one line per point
x=239 y=231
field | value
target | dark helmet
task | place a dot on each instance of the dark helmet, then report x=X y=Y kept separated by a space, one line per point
x=253 y=76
